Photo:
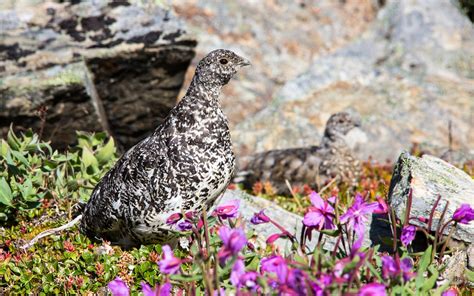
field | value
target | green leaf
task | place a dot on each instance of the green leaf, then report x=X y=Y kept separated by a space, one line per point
x=107 y=152
x=49 y=165
x=333 y=233
x=469 y=275
x=15 y=269
x=98 y=138
x=88 y=158
x=422 y=266
x=12 y=139
x=430 y=282
x=4 y=148
x=186 y=278
x=5 y=193
x=83 y=140
x=440 y=289
x=19 y=156
x=252 y=262
x=425 y=260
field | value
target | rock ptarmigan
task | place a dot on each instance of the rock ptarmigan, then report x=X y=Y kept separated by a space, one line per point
x=314 y=165
x=184 y=165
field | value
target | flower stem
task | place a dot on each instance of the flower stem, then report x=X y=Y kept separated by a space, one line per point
x=433 y=209
x=297 y=201
x=394 y=229
x=438 y=228
x=208 y=255
x=303 y=238
x=408 y=208
x=447 y=240
x=336 y=245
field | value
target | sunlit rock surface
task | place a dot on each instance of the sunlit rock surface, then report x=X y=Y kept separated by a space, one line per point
x=429 y=177
x=408 y=75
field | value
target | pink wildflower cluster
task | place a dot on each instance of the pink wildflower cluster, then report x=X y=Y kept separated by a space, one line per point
x=305 y=271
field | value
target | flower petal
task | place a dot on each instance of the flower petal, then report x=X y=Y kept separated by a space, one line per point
x=313 y=219
x=316 y=200
x=118 y=287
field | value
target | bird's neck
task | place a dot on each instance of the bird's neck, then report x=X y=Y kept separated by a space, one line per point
x=333 y=139
x=203 y=90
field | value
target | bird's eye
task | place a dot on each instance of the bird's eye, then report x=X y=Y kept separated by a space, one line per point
x=223 y=61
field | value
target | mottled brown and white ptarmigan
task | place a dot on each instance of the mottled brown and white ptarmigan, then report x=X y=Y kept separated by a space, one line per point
x=314 y=165
x=184 y=165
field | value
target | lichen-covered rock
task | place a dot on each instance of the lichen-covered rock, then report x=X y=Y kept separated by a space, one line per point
x=90 y=66
x=408 y=75
x=427 y=178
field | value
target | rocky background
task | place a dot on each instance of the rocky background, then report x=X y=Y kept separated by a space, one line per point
x=90 y=66
x=406 y=66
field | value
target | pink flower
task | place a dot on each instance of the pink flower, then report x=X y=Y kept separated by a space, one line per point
x=272 y=238
x=234 y=240
x=249 y=280
x=174 y=218
x=228 y=210
x=220 y=292
x=259 y=218
x=339 y=269
x=118 y=287
x=299 y=282
x=464 y=214
x=237 y=271
x=372 y=289
x=184 y=225
x=320 y=215
x=422 y=219
x=163 y=290
x=276 y=264
x=356 y=215
x=169 y=264
x=389 y=267
x=239 y=278
x=408 y=234
x=406 y=266
x=392 y=268
x=382 y=207
x=450 y=292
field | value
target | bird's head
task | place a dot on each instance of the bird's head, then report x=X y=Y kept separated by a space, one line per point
x=218 y=67
x=341 y=123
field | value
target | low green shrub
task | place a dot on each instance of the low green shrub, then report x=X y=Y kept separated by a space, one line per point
x=31 y=173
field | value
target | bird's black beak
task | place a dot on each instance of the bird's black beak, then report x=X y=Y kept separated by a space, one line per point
x=244 y=62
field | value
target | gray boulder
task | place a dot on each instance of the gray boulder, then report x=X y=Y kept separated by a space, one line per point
x=408 y=75
x=280 y=38
x=90 y=66
x=429 y=177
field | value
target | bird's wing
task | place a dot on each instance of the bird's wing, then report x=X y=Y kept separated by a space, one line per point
x=293 y=164
x=125 y=190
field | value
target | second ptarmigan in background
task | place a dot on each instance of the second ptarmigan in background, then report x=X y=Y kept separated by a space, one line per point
x=184 y=165
x=314 y=165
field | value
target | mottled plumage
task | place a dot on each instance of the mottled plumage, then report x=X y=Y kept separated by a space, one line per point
x=314 y=165
x=185 y=164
